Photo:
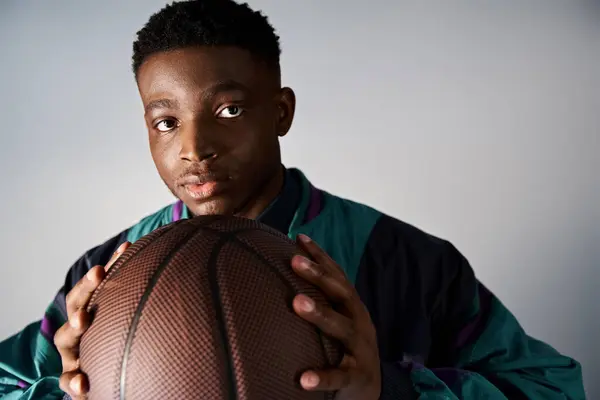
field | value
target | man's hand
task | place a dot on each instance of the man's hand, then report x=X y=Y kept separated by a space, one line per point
x=358 y=376
x=73 y=381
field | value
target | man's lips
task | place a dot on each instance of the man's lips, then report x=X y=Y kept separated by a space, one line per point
x=198 y=179
x=204 y=190
x=202 y=186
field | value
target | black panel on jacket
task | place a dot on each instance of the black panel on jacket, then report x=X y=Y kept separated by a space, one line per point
x=415 y=287
x=99 y=255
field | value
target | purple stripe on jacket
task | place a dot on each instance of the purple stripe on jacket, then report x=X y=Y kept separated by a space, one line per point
x=314 y=204
x=177 y=210
x=47 y=329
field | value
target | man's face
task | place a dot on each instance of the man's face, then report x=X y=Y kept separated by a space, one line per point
x=214 y=117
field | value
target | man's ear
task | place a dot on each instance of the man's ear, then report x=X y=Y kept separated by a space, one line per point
x=286 y=107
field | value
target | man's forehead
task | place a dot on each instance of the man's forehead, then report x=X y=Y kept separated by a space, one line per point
x=200 y=69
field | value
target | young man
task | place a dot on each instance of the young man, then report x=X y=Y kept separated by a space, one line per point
x=414 y=320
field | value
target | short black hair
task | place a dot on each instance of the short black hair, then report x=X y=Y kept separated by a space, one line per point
x=207 y=23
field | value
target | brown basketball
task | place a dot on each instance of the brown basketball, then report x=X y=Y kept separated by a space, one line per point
x=201 y=309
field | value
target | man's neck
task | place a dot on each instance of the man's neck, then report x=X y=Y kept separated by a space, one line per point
x=265 y=195
x=281 y=212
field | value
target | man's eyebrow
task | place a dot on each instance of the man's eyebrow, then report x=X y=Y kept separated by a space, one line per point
x=224 y=86
x=160 y=103
x=212 y=91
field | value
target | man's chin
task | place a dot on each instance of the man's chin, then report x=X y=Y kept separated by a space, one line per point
x=212 y=206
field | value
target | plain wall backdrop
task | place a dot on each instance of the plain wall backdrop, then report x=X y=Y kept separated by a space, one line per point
x=476 y=121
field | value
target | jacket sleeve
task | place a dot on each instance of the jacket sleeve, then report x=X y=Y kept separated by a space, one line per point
x=480 y=351
x=30 y=364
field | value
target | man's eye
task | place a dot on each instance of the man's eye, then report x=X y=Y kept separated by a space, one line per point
x=231 y=112
x=166 y=125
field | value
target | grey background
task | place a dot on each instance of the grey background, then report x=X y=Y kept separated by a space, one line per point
x=476 y=121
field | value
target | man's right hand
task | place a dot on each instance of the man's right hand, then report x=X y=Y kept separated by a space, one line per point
x=73 y=381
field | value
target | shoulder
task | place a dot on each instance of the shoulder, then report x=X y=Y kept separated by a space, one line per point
x=399 y=250
x=396 y=238
x=101 y=254
x=389 y=246
x=416 y=264
x=383 y=234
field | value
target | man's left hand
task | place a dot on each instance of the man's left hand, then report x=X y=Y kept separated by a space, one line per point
x=358 y=376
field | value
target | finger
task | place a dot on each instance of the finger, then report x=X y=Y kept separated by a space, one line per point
x=74 y=383
x=330 y=322
x=81 y=293
x=327 y=380
x=319 y=255
x=120 y=250
x=68 y=336
x=336 y=287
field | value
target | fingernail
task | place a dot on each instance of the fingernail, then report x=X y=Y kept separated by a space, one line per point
x=75 y=322
x=307 y=304
x=303 y=238
x=309 y=380
x=305 y=265
x=75 y=384
x=89 y=275
x=120 y=249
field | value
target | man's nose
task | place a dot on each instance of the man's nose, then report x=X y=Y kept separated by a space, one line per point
x=196 y=144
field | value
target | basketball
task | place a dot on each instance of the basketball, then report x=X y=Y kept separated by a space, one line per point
x=202 y=309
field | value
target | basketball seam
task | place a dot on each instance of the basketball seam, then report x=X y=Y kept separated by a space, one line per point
x=223 y=238
x=265 y=262
x=137 y=315
x=217 y=303
x=113 y=270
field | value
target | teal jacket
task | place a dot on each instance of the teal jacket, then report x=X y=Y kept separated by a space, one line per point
x=441 y=334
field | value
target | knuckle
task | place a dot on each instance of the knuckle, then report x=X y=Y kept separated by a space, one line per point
x=69 y=298
x=325 y=314
x=332 y=284
x=64 y=383
x=325 y=275
x=70 y=364
x=317 y=272
x=369 y=377
x=57 y=340
x=350 y=334
x=59 y=337
x=339 y=290
x=366 y=343
x=336 y=325
x=346 y=380
x=349 y=293
x=75 y=297
x=78 y=322
x=75 y=322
